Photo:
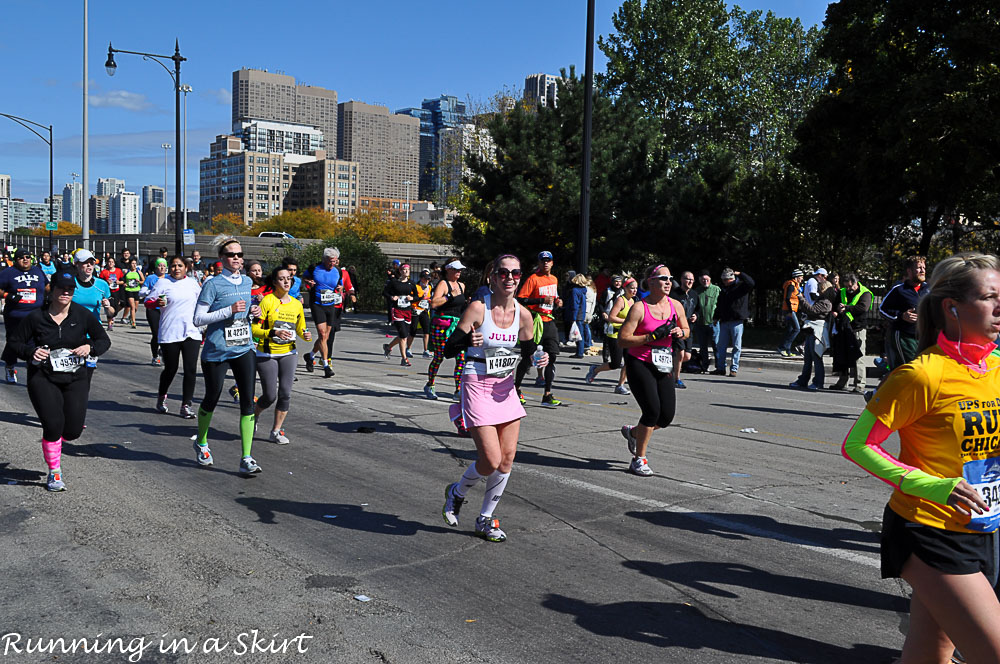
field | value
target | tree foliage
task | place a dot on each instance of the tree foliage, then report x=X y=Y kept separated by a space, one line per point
x=370 y=225
x=65 y=228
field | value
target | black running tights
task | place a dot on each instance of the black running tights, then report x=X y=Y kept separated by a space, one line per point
x=653 y=391
x=62 y=409
x=244 y=372
x=172 y=354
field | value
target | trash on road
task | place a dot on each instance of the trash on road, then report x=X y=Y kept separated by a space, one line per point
x=363 y=598
x=470 y=620
x=739 y=474
x=749 y=430
x=329 y=516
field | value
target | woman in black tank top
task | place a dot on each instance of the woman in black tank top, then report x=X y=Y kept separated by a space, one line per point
x=448 y=301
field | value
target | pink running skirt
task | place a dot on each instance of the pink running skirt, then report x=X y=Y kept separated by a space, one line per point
x=489 y=401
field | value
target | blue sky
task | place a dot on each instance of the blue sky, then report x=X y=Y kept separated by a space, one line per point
x=382 y=51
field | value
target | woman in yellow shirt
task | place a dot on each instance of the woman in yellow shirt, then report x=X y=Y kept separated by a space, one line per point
x=937 y=530
x=281 y=318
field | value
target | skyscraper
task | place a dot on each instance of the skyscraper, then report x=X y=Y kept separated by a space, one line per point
x=124 y=217
x=110 y=186
x=100 y=213
x=261 y=95
x=72 y=203
x=152 y=195
x=443 y=112
x=386 y=146
x=543 y=89
x=4 y=186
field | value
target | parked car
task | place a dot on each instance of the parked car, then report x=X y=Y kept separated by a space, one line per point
x=279 y=234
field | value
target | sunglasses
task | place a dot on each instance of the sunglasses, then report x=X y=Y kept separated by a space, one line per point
x=662 y=278
x=233 y=254
x=503 y=273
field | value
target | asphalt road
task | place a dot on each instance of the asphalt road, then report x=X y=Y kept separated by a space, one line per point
x=744 y=547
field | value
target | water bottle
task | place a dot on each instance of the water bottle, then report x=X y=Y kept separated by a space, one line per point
x=537 y=356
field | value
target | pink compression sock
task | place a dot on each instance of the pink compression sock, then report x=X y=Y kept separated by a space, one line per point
x=53 y=452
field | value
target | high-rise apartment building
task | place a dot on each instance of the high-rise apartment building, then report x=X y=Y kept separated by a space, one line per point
x=4 y=186
x=57 y=207
x=152 y=195
x=283 y=137
x=124 y=217
x=434 y=115
x=453 y=144
x=329 y=184
x=262 y=95
x=110 y=186
x=5 y=215
x=100 y=214
x=72 y=203
x=386 y=146
x=543 y=89
x=27 y=214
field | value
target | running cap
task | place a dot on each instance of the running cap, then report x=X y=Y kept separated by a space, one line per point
x=83 y=255
x=425 y=273
x=161 y=261
x=63 y=280
x=820 y=270
x=617 y=277
x=545 y=255
x=454 y=265
x=797 y=273
x=21 y=253
x=396 y=262
x=331 y=252
x=728 y=274
x=405 y=265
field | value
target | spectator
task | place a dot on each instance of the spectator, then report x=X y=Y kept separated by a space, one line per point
x=855 y=303
x=682 y=346
x=817 y=338
x=707 y=328
x=899 y=307
x=577 y=306
x=732 y=310
x=790 y=309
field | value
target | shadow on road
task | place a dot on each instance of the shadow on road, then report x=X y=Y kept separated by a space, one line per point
x=746 y=526
x=15 y=417
x=671 y=625
x=127 y=453
x=353 y=517
x=536 y=459
x=707 y=577
x=790 y=411
x=10 y=474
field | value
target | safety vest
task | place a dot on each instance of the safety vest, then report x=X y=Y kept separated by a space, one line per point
x=794 y=299
x=843 y=299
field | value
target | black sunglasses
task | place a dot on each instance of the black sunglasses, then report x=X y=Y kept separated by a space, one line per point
x=503 y=273
x=233 y=254
x=662 y=277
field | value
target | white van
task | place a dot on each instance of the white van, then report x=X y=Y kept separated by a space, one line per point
x=278 y=234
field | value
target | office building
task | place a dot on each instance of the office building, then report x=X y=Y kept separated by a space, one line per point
x=100 y=214
x=4 y=186
x=282 y=137
x=542 y=89
x=110 y=186
x=434 y=115
x=152 y=195
x=5 y=215
x=124 y=213
x=386 y=146
x=57 y=208
x=27 y=214
x=72 y=203
x=276 y=97
x=453 y=144
x=329 y=184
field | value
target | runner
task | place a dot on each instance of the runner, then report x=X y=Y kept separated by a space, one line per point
x=488 y=332
x=647 y=337
x=114 y=276
x=421 y=313
x=400 y=291
x=540 y=294
x=224 y=307
x=448 y=303
x=293 y=267
x=281 y=318
x=255 y=271
x=58 y=339
x=46 y=264
x=326 y=281
x=176 y=296
x=936 y=529
x=612 y=352
x=133 y=284
x=152 y=307
x=92 y=292
x=22 y=289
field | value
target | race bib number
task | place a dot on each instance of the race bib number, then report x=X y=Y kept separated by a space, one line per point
x=132 y=283
x=662 y=359
x=403 y=300
x=337 y=299
x=283 y=325
x=113 y=280
x=27 y=295
x=64 y=361
x=500 y=362
x=424 y=304
x=327 y=297
x=984 y=476
x=238 y=333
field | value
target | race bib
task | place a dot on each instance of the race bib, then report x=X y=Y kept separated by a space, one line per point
x=64 y=361
x=113 y=280
x=27 y=295
x=500 y=362
x=663 y=359
x=284 y=325
x=404 y=301
x=424 y=304
x=327 y=297
x=984 y=476
x=132 y=283
x=238 y=333
x=337 y=299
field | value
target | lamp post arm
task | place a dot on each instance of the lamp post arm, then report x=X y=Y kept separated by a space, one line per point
x=22 y=121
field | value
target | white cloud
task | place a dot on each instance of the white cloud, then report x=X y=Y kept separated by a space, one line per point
x=130 y=101
x=222 y=96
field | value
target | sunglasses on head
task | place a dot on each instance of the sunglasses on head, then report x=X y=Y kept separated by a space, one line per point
x=663 y=278
x=233 y=254
x=503 y=272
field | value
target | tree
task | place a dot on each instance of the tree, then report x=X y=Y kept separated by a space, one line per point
x=371 y=225
x=907 y=131
x=65 y=228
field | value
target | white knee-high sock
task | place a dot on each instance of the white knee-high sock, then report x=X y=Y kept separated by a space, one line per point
x=469 y=479
x=495 y=484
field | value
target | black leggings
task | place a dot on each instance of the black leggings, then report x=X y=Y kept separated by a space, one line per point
x=10 y=323
x=550 y=344
x=61 y=408
x=153 y=318
x=653 y=391
x=244 y=372
x=172 y=353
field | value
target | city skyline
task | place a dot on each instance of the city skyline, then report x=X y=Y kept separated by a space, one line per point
x=132 y=114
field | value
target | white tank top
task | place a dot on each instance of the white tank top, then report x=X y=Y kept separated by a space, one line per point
x=494 y=336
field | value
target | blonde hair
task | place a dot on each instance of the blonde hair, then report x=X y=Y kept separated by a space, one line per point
x=953 y=278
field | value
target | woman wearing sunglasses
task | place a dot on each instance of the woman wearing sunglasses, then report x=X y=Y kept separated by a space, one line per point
x=647 y=337
x=225 y=307
x=449 y=303
x=487 y=333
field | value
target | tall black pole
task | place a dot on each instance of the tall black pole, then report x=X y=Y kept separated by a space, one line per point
x=178 y=210
x=583 y=236
x=50 y=187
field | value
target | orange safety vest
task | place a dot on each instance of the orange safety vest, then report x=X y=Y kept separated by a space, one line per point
x=794 y=299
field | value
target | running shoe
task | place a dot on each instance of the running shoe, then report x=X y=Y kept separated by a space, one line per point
x=203 y=454
x=520 y=396
x=54 y=481
x=279 y=437
x=409 y=353
x=133 y=323
x=155 y=362
x=161 y=404
x=638 y=466
x=452 y=505
x=591 y=375
x=111 y=325
x=11 y=376
x=719 y=372
x=427 y=355
x=488 y=528
x=234 y=392
x=868 y=395
x=622 y=389
x=386 y=350
x=327 y=371
x=309 y=362
x=680 y=384
x=248 y=466
x=629 y=435
x=732 y=373
x=550 y=401
x=539 y=382
x=405 y=363
x=430 y=393
x=187 y=412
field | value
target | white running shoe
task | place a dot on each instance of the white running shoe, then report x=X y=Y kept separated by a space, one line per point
x=161 y=404
x=639 y=467
x=427 y=354
x=622 y=389
x=452 y=505
x=279 y=437
x=386 y=350
x=629 y=436
x=248 y=466
x=204 y=455
x=187 y=412
x=54 y=481
x=488 y=528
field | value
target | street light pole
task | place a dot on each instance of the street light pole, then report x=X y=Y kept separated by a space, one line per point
x=583 y=236
x=407 y=183
x=184 y=198
x=24 y=122
x=166 y=151
x=110 y=66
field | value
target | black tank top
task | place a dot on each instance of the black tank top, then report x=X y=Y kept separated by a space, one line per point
x=454 y=305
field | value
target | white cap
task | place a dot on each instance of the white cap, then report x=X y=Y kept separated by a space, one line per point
x=454 y=265
x=820 y=270
x=83 y=255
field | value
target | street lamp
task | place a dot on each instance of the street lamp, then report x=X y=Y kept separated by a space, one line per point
x=166 y=216
x=407 y=183
x=185 y=89
x=111 y=66
x=24 y=122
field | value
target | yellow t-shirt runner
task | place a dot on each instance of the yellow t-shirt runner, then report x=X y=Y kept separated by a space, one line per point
x=275 y=314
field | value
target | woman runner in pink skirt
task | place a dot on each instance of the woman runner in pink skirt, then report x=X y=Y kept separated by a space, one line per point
x=488 y=332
